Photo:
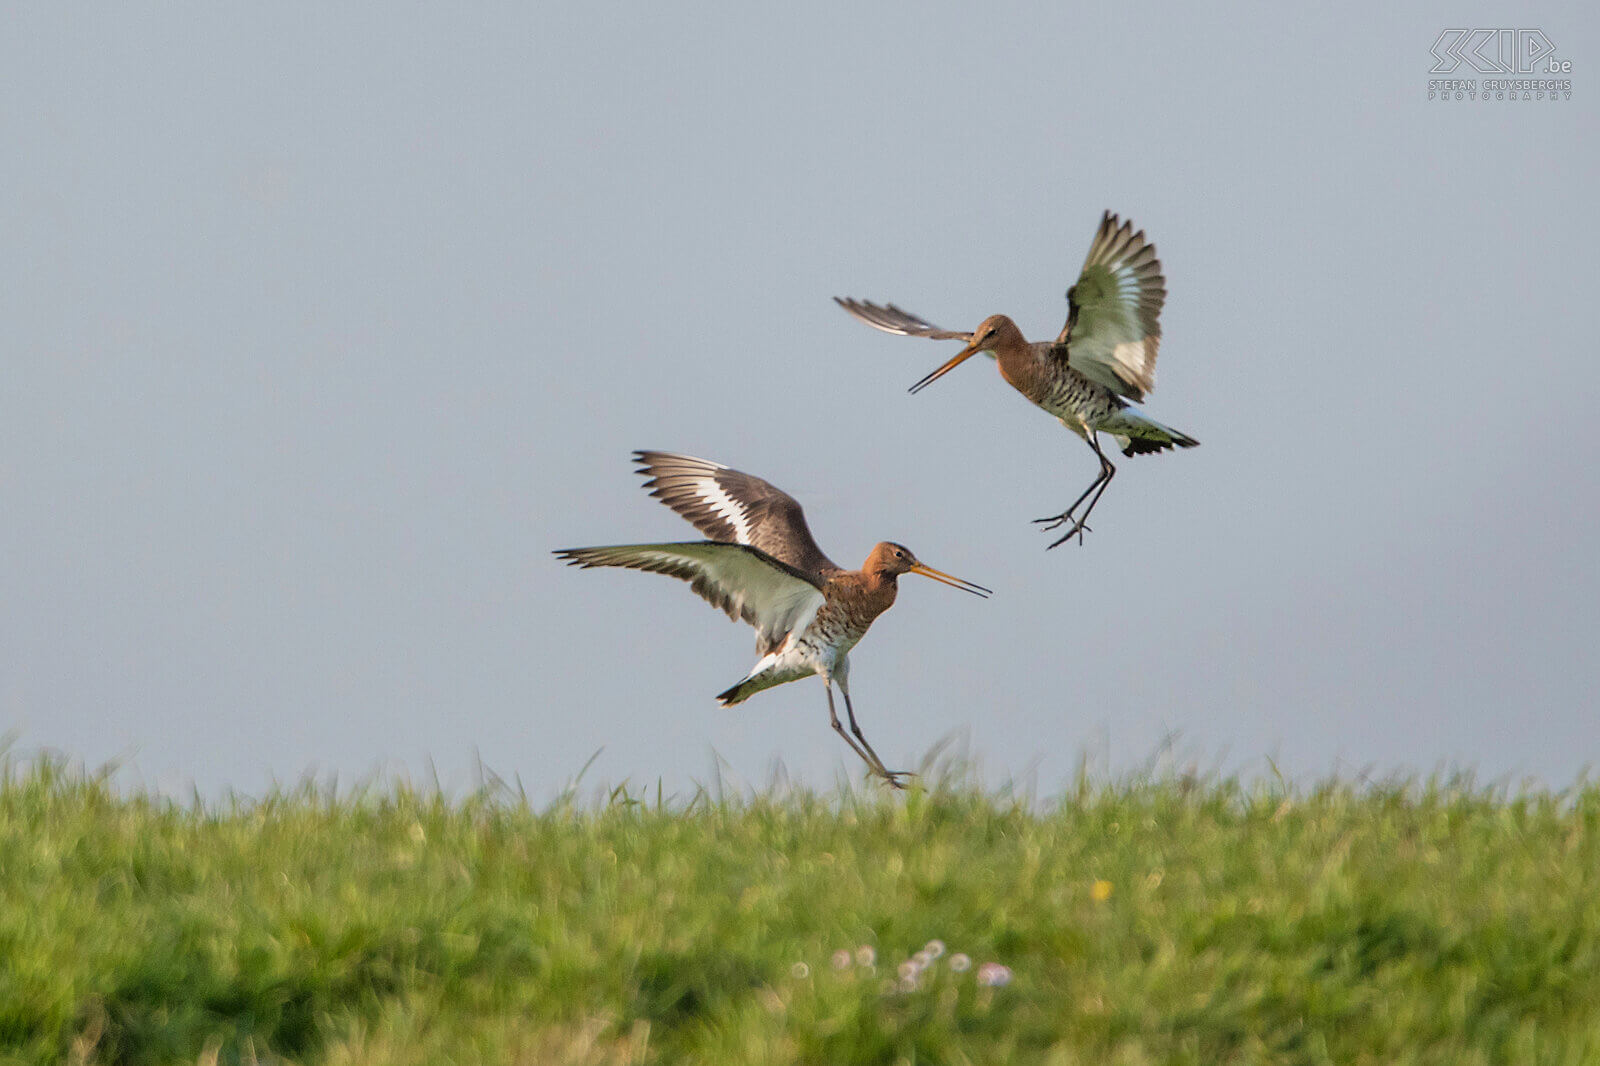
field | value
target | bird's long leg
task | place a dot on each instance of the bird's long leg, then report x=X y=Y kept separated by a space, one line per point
x=872 y=761
x=1107 y=471
x=1097 y=487
x=891 y=776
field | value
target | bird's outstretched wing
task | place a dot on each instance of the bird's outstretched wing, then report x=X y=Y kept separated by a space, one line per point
x=737 y=508
x=1113 y=311
x=745 y=582
x=891 y=319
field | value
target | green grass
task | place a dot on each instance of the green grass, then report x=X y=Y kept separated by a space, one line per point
x=1161 y=920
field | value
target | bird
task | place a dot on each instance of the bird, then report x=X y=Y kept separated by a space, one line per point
x=762 y=565
x=1104 y=356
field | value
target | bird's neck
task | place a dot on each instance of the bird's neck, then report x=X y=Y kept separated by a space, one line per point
x=873 y=591
x=1018 y=361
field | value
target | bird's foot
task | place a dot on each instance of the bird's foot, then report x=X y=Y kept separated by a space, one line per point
x=1078 y=530
x=892 y=777
x=1055 y=519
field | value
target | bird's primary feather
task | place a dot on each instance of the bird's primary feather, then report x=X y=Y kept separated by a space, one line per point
x=747 y=583
x=892 y=319
x=1113 y=328
x=728 y=505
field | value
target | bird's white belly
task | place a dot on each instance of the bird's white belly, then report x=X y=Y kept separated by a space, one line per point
x=818 y=650
x=789 y=663
x=815 y=651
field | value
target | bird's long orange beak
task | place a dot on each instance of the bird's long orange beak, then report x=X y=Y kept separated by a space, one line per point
x=951 y=580
x=962 y=356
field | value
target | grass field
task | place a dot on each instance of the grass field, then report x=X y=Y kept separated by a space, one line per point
x=1164 y=920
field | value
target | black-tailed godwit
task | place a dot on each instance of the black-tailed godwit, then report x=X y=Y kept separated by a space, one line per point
x=762 y=565
x=1106 y=351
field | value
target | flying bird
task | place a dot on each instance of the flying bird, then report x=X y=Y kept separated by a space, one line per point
x=1106 y=352
x=762 y=565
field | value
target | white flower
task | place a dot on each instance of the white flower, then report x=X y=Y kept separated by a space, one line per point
x=865 y=956
x=994 y=975
x=800 y=971
x=841 y=959
x=959 y=962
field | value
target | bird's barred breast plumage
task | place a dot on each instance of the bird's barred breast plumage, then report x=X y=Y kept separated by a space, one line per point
x=1085 y=406
x=1048 y=381
x=839 y=626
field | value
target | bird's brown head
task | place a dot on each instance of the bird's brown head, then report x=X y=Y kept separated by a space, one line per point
x=890 y=560
x=993 y=332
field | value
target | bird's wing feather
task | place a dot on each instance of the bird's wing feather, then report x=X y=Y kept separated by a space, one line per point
x=745 y=582
x=1113 y=311
x=727 y=505
x=891 y=319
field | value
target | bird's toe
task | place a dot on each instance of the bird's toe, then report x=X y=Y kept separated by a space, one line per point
x=1076 y=531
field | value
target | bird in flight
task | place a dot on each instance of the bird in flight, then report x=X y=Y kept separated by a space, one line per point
x=762 y=565
x=1104 y=356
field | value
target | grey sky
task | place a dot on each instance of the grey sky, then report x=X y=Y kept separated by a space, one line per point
x=323 y=327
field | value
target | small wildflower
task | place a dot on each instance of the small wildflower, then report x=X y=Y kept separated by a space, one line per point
x=959 y=962
x=994 y=975
x=909 y=969
x=841 y=959
x=800 y=971
x=923 y=959
x=908 y=984
x=935 y=948
x=1100 y=891
x=865 y=956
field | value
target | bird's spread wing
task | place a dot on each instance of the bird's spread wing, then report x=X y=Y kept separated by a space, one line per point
x=1113 y=319
x=891 y=319
x=727 y=505
x=743 y=581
